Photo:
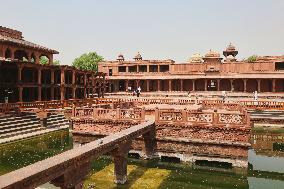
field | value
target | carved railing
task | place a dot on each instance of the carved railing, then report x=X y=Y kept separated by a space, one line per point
x=227 y=119
x=109 y=114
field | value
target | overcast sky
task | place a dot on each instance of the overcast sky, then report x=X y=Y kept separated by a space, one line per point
x=158 y=29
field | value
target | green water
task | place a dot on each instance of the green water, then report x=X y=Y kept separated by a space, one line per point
x=266 y=165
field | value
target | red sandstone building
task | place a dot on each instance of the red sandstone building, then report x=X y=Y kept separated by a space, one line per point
x=200 y=73
x=23 y=78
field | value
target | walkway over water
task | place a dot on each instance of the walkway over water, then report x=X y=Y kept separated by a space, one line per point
x=67 y=170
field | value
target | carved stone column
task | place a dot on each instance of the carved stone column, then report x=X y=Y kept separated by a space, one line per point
x=120 y=162
x=147 y=85
x=245 y=85
x=218 y=84
x=39 y=85
x=150 y=146
x=73 y=178
x=205 y=83
x=193 y=85
x=273 y=85
x=258 y=85
x=170 y=85
x=20 y=94
x=62 y=89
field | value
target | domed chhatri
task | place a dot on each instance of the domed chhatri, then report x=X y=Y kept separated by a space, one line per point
x=120 y=58
x=230 y=51
x=138 y=57
x=212 y=56
x=196 y=58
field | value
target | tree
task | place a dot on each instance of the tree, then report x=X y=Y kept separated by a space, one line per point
x=56 y=62
x=44 y=60
x=88 y=61
x=252 y=58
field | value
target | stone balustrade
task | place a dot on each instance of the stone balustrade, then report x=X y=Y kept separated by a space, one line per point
x=216 y=119
x=101 y=114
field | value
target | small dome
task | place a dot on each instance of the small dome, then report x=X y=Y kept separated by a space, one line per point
x=138 y=56
x=196 y=58
x=212 y=54
x=230 y=47
x=120 y=57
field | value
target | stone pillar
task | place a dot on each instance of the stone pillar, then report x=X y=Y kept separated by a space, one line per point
x=20 y=73
x=20 y=94
x=170 y=85
x=127 y=69
x=147 y=68
x=273 y=85
x=148 y=85
x=150 y=146
x=258 y=85
x=205 y=83
x=158 y=68
x=245 y=85
x=52 y=76
x=193 y=85
x=127 y=84
x=62 y=88
x=39 y=85
x=181 y=85
x=52 y=84
x=120 y=162
x=74 y=92
x=232 y=85
x=73 y=178
x=159 y=85
x=137 y=83
x=218 y=84
x=13 y=53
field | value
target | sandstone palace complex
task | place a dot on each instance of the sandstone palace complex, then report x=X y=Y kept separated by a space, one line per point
x=22 y=78
x=201 y=73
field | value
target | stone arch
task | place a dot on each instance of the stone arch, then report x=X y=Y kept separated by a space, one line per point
x=33 y=58
x=238 y=85
x=44 y=59
x=265 y=85
x=164 y=85
x=20 y=55
x=200 y=85
x=175 y=85
x=225 y=85
x=8 y=53
x=251 y=85
x=153 y=85
x=279 y=85
x=187 y=85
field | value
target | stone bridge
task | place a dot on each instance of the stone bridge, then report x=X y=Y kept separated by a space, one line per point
x=68 y=169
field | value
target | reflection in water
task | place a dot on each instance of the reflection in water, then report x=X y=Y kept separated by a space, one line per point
x=266 y=160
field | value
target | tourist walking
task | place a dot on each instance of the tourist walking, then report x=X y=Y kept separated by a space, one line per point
x=138 y=91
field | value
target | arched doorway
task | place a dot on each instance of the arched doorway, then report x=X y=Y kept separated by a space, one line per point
x=279 y=85
x=8 y=54
x=251 y=85
x=265 y=85
x=225 y=85
x=20 y=55
x=187 y=85
x=212 y=85
x=238 y=85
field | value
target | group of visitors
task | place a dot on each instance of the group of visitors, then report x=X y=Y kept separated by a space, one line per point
x=135 y=92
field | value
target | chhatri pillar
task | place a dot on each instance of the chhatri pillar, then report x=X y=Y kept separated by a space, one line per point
x=39 y=84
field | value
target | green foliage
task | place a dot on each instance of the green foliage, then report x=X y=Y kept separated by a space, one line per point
x=88 y=61
x=252 y=58
x=56 y=62
x=43 y=60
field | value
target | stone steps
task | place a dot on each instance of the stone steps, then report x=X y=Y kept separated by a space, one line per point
x=24 y=123
x=19 y=128
x=21 y=132
x=57 y=120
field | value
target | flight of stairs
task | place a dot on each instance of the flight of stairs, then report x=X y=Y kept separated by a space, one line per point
x=56 y=120
x=12 y=125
